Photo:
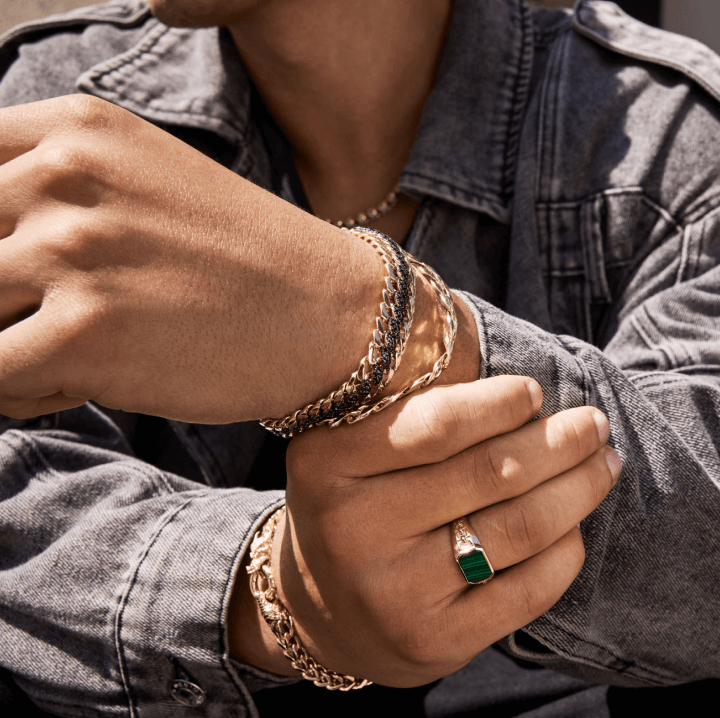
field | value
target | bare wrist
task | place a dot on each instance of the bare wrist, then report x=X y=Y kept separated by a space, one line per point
x=425 y=343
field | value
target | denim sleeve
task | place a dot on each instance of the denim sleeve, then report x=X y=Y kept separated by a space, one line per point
x=644 y=609
x=115 y=577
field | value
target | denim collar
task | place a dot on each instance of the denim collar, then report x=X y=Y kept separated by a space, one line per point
x=466 y=146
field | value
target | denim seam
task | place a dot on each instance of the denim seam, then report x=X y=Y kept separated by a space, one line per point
x=168 y=486
x=614 y=192
x=544 y=38
x=620 y=48
x=124 y=600
x=473 y=195
x=232 y=576
x=684 y=253
x=419 y=232
x=546 y=119
x=135 y=58
x=583 y=378
x=521 y=86
x=560 y=273
x=29 y=444
x=676 y=351
x=649 y=343
x=31 y=449
x=705 y=209
x=641 y=385
x=573 y=204
x=627 y=666
x=692 y=240
x=82 y=18
x=486 y=364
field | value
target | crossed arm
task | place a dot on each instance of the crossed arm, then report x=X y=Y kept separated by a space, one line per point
x=124 y=248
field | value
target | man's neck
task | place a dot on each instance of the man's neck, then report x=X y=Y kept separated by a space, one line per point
x=346 y=82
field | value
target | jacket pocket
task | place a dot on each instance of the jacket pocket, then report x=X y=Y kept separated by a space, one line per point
x=593 y=249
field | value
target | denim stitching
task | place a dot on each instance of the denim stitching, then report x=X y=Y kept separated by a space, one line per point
x=124 y=599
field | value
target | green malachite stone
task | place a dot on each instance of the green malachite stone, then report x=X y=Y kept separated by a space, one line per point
x=475 y=567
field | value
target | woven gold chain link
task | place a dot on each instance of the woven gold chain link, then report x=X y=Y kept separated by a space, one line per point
x=263 y=587
x=446 y=302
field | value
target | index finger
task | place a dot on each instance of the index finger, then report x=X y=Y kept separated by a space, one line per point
x=428 y=427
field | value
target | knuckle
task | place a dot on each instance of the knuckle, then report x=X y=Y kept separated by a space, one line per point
x=570 y=560
x=64 y=161
x=535 y=596
x=519 y=401
x=81 y=243
x=69 y=172
x=494 y=464
x=434 y=421
x=87 y=112
x=419 y=645
x=512 y=398
x=72 y=243
x=524 y=530
x=539 y=592
x=571 y=432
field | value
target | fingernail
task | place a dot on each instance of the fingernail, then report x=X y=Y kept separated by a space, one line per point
x=613 y=461
x=603 y=426
x=535 y=394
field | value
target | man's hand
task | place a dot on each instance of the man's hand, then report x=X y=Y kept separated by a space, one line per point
x=365 y=562
x=136 y=272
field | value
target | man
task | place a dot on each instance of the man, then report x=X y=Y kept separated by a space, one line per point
x=555 y=169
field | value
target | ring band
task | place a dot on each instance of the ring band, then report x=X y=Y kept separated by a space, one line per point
x=469 y=553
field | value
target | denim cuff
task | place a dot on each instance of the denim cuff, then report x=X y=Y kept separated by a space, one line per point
x=173 y=640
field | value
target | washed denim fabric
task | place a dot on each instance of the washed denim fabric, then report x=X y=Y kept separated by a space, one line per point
x=568 y=170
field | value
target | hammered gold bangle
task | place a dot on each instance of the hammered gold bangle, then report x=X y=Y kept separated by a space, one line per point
x=389 y=338
x=263 y=587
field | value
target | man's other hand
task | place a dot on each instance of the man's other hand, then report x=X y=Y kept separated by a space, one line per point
x=364 y=559
x=136 y=272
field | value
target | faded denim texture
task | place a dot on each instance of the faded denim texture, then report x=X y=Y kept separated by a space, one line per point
x=568 y=168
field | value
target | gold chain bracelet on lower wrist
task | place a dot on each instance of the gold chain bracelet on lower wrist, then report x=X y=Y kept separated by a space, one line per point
x=263 y=587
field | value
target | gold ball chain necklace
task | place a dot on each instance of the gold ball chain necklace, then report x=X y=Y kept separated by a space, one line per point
x=364 y=218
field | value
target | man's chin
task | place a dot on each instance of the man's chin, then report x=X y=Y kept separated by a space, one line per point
x=200 y=13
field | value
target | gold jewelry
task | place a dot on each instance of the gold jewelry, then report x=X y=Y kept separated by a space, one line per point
x=392 y=330
x=446 y=302
x=372 y=214
x=262 y=585
x=352 y=402
x=469 y=553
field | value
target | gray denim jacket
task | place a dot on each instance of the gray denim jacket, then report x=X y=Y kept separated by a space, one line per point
x=568 y=168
